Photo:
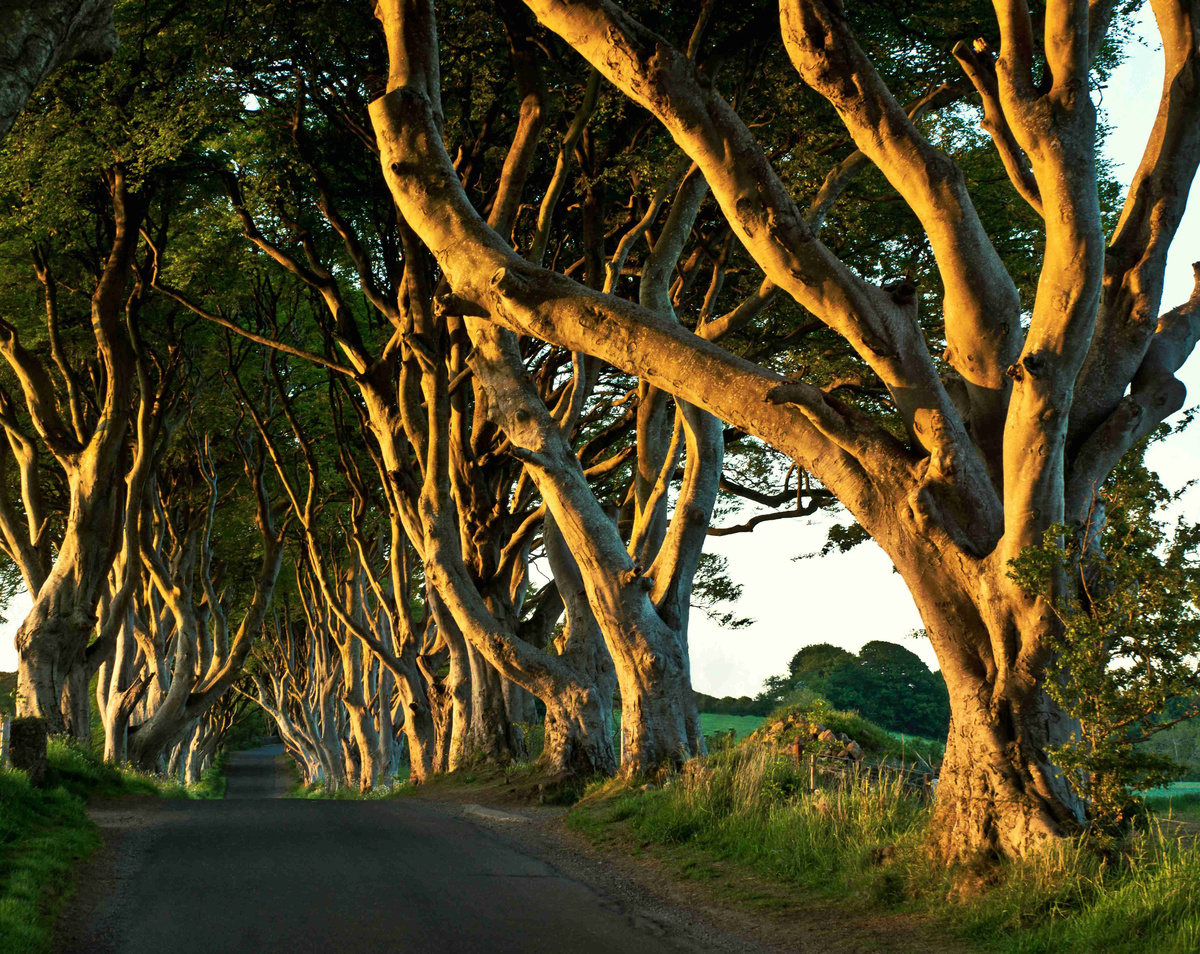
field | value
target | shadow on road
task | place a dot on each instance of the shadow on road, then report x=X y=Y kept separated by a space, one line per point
x=257 y=773
x=262 y=874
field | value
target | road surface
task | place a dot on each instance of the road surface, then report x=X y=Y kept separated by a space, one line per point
x=263 y=874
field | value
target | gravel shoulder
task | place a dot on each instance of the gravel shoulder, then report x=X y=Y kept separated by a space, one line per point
x=708 y=899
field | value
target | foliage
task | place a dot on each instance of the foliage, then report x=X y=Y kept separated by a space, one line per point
x=1181 y=744
x=732 y=705
x=713 y=589
x=887 y=683
x=8 y=693
x=1125 y=591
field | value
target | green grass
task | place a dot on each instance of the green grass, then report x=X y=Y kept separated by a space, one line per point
x=863 y=847
x=45 y=833
x=743 y=725
x=395 y=790
x=784 y=724
x=1177 y=788
x=1074 y=901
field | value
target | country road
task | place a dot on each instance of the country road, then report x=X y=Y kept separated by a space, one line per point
x=259 y=873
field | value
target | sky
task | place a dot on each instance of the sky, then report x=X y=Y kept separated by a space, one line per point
x=850 y=599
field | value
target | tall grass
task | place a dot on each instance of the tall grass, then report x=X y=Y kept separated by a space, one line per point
x=865 y=842
x=751 y=805
x=1073 y=900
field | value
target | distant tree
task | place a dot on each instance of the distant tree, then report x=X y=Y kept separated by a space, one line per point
x=885 y=682
x=819 y=659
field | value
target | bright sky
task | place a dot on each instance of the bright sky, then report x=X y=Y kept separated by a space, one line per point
x=852 y=598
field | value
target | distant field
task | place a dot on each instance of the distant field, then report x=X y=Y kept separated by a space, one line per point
x=1190 y=791
x=1178 y=788
x=711 y=722
x=904 y=737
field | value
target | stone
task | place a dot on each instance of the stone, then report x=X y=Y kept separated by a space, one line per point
x=27 y=748
x=854 y=751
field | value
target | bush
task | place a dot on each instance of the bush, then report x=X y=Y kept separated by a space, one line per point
x=805 y=709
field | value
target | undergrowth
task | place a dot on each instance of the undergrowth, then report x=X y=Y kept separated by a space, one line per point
x=862 y=841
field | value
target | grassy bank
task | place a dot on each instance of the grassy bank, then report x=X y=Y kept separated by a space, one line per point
x=45 y=833
x=862 y=844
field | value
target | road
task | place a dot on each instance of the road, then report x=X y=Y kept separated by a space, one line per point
x=259 y=873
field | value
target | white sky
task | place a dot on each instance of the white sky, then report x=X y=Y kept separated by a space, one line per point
x=852 y=598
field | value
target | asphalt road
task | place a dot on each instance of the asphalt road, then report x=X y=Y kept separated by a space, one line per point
x=258 y=873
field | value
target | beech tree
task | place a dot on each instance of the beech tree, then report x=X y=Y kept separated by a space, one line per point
x=38 y=36
x=473 y=538
x=77 y=196
x=1011 y=433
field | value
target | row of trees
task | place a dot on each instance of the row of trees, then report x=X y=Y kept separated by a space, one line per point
x=541 y=297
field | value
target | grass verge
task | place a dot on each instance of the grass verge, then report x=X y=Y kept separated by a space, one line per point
x=396 y=789
x=861 y=846
x=45 y=833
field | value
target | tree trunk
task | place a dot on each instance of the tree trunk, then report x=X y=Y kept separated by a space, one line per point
x=76 y=705
x=454 y=743
x=421 y=728
x=655 y=696
x=998 y=793
x=362 y=728
x=491 y=737
x=519 y=704
x=579 y=734
x=46 y=644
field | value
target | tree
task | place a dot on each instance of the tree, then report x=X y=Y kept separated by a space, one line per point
x=1125 y=660
x=41 y=35
x=819 y=659
x=78 y=195
x=1011 y=434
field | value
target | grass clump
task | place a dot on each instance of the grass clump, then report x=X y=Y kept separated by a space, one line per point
x=1074 y=900
x=751 y=805
x=348 y=793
